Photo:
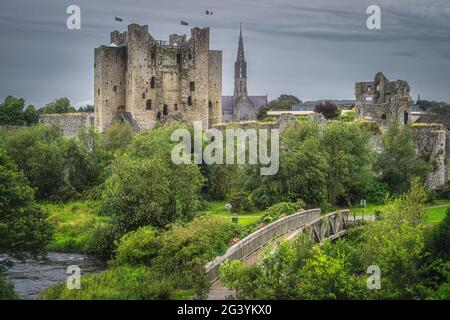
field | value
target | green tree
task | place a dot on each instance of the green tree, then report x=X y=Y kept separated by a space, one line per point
x=24 y=231
x=395 y=243
x=30 y=115
x=328 y=109
x=398 y=161
x=349 y=160
x=60 y=105
x=11 y=111
x=147 y=188
x=283 y=102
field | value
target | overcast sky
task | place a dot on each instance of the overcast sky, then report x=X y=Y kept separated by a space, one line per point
x=313 y=49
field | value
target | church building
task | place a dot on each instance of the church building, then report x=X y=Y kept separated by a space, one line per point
x=240 y=106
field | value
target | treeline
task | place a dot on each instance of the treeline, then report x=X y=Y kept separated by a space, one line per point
x=14 y=113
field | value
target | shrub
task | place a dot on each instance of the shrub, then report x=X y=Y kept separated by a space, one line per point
x=183 y=250
x=137 y=247
x=124 y=283
x=6 y=289
x=274 y=212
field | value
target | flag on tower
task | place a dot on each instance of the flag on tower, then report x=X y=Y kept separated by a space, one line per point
x=208 y=13
x=184 y=23
x=118 y=19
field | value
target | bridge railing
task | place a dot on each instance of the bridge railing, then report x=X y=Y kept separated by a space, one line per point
x=332 y=225
x=261 y=237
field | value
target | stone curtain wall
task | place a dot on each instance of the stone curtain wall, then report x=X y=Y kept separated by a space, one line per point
x=433 y=145
x=70 y=123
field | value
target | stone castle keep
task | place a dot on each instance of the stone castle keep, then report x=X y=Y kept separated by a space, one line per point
x=145 y=81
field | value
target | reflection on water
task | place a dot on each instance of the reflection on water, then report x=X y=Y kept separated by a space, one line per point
x=32 y=277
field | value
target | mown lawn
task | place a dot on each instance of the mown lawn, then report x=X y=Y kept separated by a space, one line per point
x=433 y=215
x=217 y=208
x=74 y=224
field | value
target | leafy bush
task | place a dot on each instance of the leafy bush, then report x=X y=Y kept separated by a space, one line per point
x=6 y=289
x=275 y=212
x=124 y=283
x=137 y=247
x=183 y=250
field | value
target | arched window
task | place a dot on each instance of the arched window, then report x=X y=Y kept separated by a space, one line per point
x=115 y=89
x=98 y=91
x=384 y=116
x=178 y=58
x=175 y=107
x=192 y=86
x=148 y=105
x=143 y=96
x=152 y=82
x=165 y=109
x=158 y=115
x=210 y=104
x=189 y=101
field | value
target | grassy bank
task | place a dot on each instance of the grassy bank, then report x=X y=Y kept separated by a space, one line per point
x=217 y=208
x=74 y=225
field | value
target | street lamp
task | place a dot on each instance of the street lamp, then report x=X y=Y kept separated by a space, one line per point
x=228 y=207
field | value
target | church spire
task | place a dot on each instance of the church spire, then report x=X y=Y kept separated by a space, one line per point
x=240 y=69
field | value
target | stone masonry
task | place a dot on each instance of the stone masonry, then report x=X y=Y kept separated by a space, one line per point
x=383 y=101
x=155 y=81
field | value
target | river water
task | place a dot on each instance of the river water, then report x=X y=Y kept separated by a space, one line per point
x=32 y=277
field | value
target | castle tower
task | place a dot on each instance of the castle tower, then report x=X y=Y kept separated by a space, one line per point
x=145 y=81
x=240 y=70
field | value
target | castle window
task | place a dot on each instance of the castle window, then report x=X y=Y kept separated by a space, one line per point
x=210 y=104
x=158 y=115
x=153 y=56
x=190 y=56
x=165 y=109
x=152 y=82
x=175 y=107
x=189 y=101
x=98 y=91
x=143 y=96
x=178 y=58
x=384 y=116
x=115 y=89
x=148 y=105
x=192 y=86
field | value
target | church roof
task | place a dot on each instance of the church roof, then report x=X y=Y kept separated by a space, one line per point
x=228 y=102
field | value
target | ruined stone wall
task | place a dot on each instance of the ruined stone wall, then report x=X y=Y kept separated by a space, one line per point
x=433 y=146
x=70 y=123
x=109 y=83
x=383 y=101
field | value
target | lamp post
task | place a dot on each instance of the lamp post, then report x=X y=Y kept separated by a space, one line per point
x=228 y=207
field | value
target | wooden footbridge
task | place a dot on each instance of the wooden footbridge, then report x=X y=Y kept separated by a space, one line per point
x=331 y=226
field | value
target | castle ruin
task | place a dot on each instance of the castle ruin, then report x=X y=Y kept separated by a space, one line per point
x=383 y=101
x=145 y=81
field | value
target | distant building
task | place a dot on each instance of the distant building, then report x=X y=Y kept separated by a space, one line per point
x=310 y=105
x=241 y=106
